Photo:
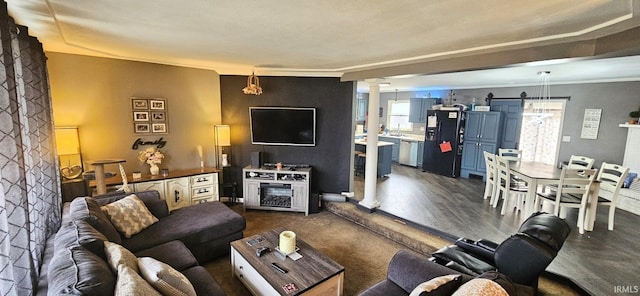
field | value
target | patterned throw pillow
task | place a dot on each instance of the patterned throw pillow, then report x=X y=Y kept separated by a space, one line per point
x=117 y=255
x=442 y=285
x=480 y=287
x=129 y=215
x=164 y=278
x=131 y=283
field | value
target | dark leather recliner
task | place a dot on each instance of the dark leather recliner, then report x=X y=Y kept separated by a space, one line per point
x=522 y=257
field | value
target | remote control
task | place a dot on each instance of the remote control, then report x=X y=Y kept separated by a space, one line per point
x=279 y=268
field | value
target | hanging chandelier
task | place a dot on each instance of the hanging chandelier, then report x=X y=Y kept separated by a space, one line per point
x=544 y=93
x=253 y=85
x=540 y=104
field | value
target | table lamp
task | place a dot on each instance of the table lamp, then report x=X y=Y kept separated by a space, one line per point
x=68 y=147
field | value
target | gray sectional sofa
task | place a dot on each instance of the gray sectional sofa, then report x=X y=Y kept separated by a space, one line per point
x=75 y=262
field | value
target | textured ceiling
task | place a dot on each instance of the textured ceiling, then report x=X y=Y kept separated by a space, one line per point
x=319 y=38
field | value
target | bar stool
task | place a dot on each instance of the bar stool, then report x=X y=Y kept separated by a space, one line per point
x=360 y=160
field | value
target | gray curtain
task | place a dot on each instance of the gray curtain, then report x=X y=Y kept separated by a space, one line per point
x=29 y=179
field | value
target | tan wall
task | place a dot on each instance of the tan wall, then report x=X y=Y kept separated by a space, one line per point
x=94 y=94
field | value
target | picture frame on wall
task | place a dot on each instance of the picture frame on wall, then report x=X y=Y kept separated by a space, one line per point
x=159 y=128
x=157 y=104
x=158 y=116
x=149 y=115
x=139 y=104
x=141 y=116
x=141 y=128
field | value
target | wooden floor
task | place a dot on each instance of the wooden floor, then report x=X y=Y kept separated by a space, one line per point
x=600 y=261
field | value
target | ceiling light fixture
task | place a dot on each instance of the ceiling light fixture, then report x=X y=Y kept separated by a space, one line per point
x=253 y=85
x=540 y=104
x=385 y=83
x=396 y=94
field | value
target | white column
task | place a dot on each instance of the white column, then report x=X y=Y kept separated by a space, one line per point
x=371 y=172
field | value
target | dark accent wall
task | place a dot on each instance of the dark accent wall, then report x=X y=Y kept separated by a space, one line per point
x=333 y=100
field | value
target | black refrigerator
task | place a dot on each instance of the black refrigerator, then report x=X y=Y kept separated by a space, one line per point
x=444 y=134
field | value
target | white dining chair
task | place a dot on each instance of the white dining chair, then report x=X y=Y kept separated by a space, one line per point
x=510 y=154
x=507 y=188
x=611 y=177
x=580 y=162
x=572 y=192
x=490 y=177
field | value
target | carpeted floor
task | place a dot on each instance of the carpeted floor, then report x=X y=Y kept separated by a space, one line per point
x=362 y=243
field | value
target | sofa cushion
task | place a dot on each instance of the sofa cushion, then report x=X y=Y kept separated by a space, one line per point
x=87 y=209
x=117 y=255
x=174 y=253
x=442 y=285
x=214 y=220
x=131 y=283
x=480 y=287
x=202 y=281
x=81 y=233
x=77 y=271
x=164 y=278
x=129 y=215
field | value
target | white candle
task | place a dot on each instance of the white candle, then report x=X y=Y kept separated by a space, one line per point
x=287 y=242
x=199 y=151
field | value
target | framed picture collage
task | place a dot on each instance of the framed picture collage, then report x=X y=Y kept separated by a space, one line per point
x=149 y=116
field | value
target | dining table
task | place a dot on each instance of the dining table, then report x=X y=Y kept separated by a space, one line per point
x=540 y=174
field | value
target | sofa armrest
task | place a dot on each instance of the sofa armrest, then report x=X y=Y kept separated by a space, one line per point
x=408 y=270
x=483 y=249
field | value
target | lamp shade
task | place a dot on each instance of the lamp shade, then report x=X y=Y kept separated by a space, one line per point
x=67 y=141
x=223 y=135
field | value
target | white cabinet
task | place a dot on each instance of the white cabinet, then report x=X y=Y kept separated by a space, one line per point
x=278 y=190
x=177 y=193
x=151 y=185
x=183 y=189
x=204 y=188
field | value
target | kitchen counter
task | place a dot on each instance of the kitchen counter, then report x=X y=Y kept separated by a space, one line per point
x=380 y=143
x=384 y=156
x=408 y=137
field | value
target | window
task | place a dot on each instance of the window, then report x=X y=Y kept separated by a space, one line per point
x=540 y=134
x=399 y=115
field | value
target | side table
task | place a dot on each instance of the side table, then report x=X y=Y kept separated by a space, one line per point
x=73 y=188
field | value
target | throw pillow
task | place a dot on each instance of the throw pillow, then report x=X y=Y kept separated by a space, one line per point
x=77 y=271
x=480 y=287
x=117 y=255
x=501 y=280
x=131 y=283
x=628 y=180
x=87 y=209
x=164 y=278
x=129 y=215
x=442 y=285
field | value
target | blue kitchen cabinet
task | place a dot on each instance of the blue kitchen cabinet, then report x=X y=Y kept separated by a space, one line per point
x=395 y=151
x=482 y=132
x=418 y=108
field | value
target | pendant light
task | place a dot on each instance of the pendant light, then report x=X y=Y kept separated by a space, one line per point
x=253 y=85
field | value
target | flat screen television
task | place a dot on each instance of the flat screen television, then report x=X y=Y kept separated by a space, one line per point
x=283 y=126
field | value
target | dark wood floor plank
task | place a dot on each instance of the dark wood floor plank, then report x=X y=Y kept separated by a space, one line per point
x=598 y=261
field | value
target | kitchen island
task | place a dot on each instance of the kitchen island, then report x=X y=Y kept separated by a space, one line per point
x=384 y=155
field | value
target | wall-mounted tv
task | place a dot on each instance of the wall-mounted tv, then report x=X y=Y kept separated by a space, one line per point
x=283 y=126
